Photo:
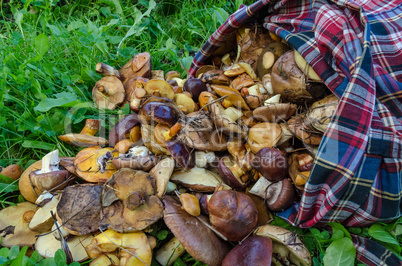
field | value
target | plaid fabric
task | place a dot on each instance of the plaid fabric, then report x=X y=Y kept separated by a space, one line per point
x=356 y=49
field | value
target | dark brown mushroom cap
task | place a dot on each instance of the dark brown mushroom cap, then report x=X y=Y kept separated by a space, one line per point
x=143 y=163
x=215 y=76
x=275 y=112
x=108 y=92
x=282 y=195
x=271 y=163
x=13 y=229
x=135 y=206
x=46 y=181
x=166 y=113
x=198 y=132
x=255 y=250
x=181 y=153
x=198 y=240
x=233 y=214
x=79 y=208
x=82 y=140
x=122 y=127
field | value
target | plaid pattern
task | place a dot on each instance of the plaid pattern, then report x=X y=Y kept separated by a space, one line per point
x=356 y=49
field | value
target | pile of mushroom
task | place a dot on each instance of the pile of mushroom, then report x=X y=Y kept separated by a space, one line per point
x=212 y=156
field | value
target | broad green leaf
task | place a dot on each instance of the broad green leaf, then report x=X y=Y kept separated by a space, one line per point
x=35 y=144
x=161 y=235
x=6 y=179
x=117 y=6
x=186 y=62
x=18 y=16
x=55 y=30
x=62 y=99
x=4 y=252
x=6 y=188
x=337 y=234
x=75 y=25
x=41 y=45
x=378 y=232
x=13 y=253
x=341 y=252
x=19 y=260
x=340 y=227
x=60 y=257
x=398 y=230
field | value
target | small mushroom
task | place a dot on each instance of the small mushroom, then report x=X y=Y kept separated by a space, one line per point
x=86 y=137
x=168 y=253
x=43 y=175
x=181 y=153
x=144 y=163
x=194 y=86
x=159 y=88
x=233 y=214
x=166 y=113
x=232 y=173
x=271 y=163
x=215 y=76
x=287 y=248
x=42 y=221
x=269 y=56
x=232 y=95
x=121 y=128
x=242 y=81
x=94 y=164
x=13 y=171
x=138 y=66
x=198 y=240
x=148 y=137
x=108 y=92
x=264 y=135
x=275 y=112
x=137 y=205
x=321 y=112
x=79 y=207
x=162 y=173
x=255 y=250
x=14 y=228
x=199 y=133
x=203 y=69
x=278 y=196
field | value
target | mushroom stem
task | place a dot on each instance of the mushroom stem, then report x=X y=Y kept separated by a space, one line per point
x=50 y=162
x=102 y=89
x=107 y=70
x=91 y=127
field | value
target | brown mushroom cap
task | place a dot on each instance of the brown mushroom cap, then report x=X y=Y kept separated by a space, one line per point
x=136 y=206
x=275 y=112
x=94 y=164
x=46 y=181
x=13 y=229
x=121 y=128
x=198 y=240
x=232 y=213
x=264 y=135
x=198 y=179
x=300 y=127
x=139 y=66
x=13 y=171
x=79 y=208
x=288 y=80
x=108 y=92
x=215 y=76
x=198 y=132
x=255 y=250
x=321 y=112
x=233 y=96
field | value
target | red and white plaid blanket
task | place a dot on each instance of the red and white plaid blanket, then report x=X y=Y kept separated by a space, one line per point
x=356 y=49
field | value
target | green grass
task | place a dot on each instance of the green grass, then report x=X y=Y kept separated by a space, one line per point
x=49 y=50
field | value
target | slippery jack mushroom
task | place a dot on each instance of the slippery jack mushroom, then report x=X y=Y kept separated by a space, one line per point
x=108 y=93
x=14 y=222
x=196 y=237
x=94 y=164
x=43 y=175
x=86 y=137
x=130 y=202
x=274 y=111
x=13 y=171
x=137 y=158
x=287 y=248
x=232 y=213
